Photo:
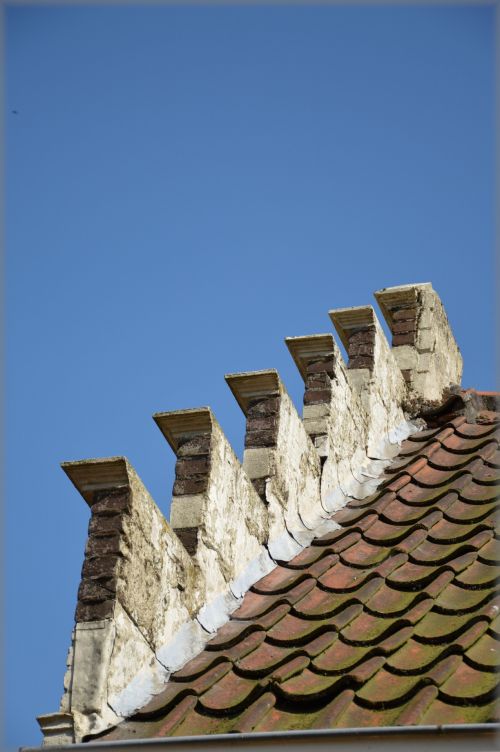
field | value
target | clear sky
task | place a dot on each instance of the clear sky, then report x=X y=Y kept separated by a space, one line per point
x=185 y=188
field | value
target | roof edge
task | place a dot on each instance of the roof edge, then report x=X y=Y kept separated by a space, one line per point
x=467 y=736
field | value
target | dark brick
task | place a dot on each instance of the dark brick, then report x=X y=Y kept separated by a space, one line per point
x=102 y=546
x=318 y=381
x=367 y=348
x=92 y=591
x=317 y=396
x=323 y=365
x=260 y=438
x=196 y=484
x=101 y=525
x=188 y=467
x=361 y=361
x=263 y=406
x=188 y=537
x=260 y=486
x=94 y=611
x=267 y=423
x=111 y=493
x=403 y=339
x=102 y=568
x=402 y=327
x=361 y=336
x=403 y=314
x=194 y=445
x=111 y=503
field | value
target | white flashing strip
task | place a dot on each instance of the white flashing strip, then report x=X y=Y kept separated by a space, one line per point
x=257 y=569
x=191 y=638
x=364 y=481
x=149 y=681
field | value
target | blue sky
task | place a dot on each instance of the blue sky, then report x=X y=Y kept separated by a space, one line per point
x=184 y=188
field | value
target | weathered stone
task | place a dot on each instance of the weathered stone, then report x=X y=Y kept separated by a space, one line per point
x=57 y=728
x=429 y=350
x=258 y=461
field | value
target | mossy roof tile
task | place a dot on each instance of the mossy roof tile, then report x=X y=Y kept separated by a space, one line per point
x=484 y=655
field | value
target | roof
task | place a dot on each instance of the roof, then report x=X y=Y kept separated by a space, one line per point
x=341 y=576
x=391 y=620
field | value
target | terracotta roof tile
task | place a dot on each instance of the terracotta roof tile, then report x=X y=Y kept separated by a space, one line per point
x=454 y=599
x=439 y=553
x=392 y=619
x=440 y=712
x=455 y=532
x=254 y=713
x=230 y=693
x=478 y=575
x=468 y=685
x=258 y=604
x=484 y=654
x=356 y=716
x=320 y=604
x=417 y=657
x=390 y=602
x=342 y=578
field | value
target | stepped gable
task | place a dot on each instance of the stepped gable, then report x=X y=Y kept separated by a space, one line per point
x=393 y=619
x=342 y=575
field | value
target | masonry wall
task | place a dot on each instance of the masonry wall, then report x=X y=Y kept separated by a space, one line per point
x=153 y=592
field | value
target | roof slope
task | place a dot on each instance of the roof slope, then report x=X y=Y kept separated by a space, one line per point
x=391 y=620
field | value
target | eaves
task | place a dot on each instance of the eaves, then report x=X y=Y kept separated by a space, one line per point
x=481 y=737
